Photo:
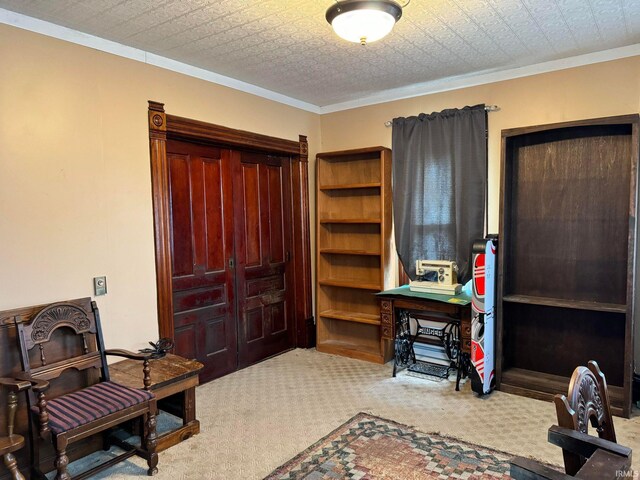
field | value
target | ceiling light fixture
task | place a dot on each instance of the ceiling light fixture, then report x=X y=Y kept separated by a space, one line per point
x=363 y=21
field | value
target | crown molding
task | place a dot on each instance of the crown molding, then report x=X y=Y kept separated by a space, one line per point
x=436 y=86
x=49 y=29
x=482 y=78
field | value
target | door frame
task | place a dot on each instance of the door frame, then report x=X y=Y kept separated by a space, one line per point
x=163 y=126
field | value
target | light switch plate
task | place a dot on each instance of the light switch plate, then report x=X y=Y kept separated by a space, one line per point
x=100 y=285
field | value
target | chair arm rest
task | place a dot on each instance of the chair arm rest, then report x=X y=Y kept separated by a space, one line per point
x=583 y=444
x=37 y=385
x=145 y=357
x=528 y=469
x=15 y=384
x=128 y=354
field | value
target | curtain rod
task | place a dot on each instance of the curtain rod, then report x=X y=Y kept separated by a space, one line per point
x=488 y=108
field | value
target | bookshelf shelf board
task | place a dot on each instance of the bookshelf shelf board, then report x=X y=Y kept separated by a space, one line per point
x=345 y=251
x=351 y=316
x=350 y=220
x=350 y=186
x=544 y=386
x=351 y=284
x=563 y=303
x=351 y=349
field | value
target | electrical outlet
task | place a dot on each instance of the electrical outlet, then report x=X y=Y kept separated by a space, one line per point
x=100 y=285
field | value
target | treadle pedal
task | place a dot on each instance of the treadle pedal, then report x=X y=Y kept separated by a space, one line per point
x=431 y=369
x=422 y=376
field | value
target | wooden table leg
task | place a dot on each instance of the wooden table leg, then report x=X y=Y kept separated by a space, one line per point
x=190 y=426
x=189 y=406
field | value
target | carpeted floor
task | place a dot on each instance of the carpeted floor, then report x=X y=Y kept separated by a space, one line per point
x=256 y=419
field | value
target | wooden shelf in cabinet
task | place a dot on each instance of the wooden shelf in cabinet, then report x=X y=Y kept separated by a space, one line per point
x=544 y=386
x=563 y=303
x=351 y=316
x=349 y=186
x=351 y=350
x=344 y=251
x=350 y=220
x=350 y=284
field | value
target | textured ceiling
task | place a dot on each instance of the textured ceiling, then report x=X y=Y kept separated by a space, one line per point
x=286 y=46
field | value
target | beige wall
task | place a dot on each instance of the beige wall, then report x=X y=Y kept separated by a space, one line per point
x=75 y=191
x=599 y=90
x=75 y=188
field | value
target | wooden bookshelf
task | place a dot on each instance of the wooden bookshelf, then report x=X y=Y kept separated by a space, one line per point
x=566 y=289
x=353 y=237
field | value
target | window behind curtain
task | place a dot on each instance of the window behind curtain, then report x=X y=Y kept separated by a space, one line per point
x=439 y=186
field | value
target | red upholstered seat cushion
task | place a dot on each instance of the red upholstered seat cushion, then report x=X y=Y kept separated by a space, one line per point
x=91 y=403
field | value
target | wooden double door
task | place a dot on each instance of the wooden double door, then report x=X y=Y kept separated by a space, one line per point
x=230 y=225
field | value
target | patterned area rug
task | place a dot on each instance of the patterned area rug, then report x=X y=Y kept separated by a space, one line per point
x=368 y=447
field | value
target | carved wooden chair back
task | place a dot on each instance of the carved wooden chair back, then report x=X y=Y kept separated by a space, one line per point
x=63 y=343
x=587 y=402
x=60 y=337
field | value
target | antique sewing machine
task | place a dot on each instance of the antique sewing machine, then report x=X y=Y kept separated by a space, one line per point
x=436 y=276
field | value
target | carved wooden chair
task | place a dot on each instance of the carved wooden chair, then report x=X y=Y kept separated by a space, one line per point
x=585 y=456
x=63 y=342
x=12 y=442
x=588 y=401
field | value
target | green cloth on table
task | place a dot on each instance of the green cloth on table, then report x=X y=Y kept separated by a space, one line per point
x=460 y=299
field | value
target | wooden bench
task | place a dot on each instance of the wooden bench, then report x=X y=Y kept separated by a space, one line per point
x=173 y=381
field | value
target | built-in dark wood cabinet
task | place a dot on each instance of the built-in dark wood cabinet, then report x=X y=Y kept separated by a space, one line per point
x=567 y=259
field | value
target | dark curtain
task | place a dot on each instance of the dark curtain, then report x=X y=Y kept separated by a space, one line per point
x=439 y=186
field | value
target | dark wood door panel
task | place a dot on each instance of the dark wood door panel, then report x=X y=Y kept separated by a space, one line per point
x=181 y=232
x=202 y=245
x=265 y=332
x=252 y=222
x=264 y=284
x=275 y=204
x=199 y=298
x=213 y=197
x=266 y=322
x=196 y=281
x=196 y=212
x=202 y=334
x=263 y=243
x=279 y=320
x=184 y=338
x=254 y=323
x=265 y=270
x=266 y=300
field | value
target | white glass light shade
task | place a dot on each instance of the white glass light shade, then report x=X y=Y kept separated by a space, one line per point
x=363 y=21
x=364 y=25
